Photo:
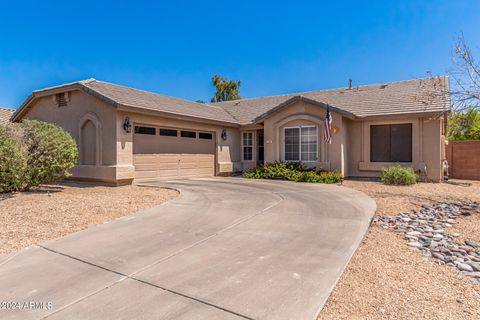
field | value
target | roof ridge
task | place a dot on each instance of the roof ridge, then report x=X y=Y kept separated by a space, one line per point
x=84 y=81
x=9 y=109
x=159 y=94
x=327 y=90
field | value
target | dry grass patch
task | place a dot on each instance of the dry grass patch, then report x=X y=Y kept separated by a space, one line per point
x=52 y=211
x=388 y=280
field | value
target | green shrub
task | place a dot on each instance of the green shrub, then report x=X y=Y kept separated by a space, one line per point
x=52 y=152
x=399 y=175
x=292 y=171
x=33 y=153
x=13 y=159
x=320 y=177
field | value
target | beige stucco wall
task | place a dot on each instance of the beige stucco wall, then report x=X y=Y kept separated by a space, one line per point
x=426 y=147
x=114 y=151
x=80 y=107
x=302 y=113
x=227 y=152
x=349 y=152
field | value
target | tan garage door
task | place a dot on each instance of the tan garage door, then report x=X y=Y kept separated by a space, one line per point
x=169 y=153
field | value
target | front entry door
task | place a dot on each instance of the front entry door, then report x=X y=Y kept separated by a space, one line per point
x=260 y=151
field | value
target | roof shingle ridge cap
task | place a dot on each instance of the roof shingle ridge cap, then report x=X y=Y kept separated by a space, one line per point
x=8 y=109
x=326 y=90
x=159 y=94
x=65 y=85
x=229 y=113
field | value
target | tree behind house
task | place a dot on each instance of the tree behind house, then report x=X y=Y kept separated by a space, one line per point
x=466 y=77
x=226 y=90
x=464 y=125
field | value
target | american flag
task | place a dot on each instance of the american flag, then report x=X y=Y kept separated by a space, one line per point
x=327 y=133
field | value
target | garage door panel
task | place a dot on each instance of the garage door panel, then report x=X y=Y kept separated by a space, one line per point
x=146 y=167
x=143 y=175
x=144 y=159
x=168 y=173
x=162 y=159
x=168 y=158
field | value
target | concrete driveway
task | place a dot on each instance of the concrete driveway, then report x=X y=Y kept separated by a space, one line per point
x=226 y=248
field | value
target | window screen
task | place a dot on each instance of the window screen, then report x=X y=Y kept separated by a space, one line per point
x=247 y=146
x=391 y=143
x=301 y=144
x=292 y=144
x=308 y=143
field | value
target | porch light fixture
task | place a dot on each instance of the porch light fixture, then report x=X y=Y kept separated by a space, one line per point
x=224 y=134
x=127 y=126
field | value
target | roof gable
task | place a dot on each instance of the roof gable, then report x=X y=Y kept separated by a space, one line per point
x=298 y=98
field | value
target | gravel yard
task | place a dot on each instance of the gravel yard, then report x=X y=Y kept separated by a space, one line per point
x=54 y=211
x=394 y=199
x=387 y=279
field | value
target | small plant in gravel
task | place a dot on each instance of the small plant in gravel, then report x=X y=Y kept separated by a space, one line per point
x=292 y=171
x=399 y=175
x=34 y=153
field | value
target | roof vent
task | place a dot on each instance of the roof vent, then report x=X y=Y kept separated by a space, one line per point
x=350 y=83
x=61 y=99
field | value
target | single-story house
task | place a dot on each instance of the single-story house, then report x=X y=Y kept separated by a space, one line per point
x=5 y=115
x=125 y=134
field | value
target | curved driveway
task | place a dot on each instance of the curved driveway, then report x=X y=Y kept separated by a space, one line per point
x=226 y=248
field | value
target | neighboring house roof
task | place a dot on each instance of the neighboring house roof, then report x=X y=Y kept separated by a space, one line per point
x=429 y=95
x=5 y=115
x=117 y=95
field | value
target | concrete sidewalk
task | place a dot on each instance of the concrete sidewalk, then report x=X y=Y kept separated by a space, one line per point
x=226 y=248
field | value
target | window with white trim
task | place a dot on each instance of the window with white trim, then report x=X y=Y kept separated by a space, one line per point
x=300 y=143
x=247 y=146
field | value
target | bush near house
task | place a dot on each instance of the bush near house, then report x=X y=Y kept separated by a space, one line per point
x=34 y=153
x=13 y=158
x=292 y=171
x=399 y=175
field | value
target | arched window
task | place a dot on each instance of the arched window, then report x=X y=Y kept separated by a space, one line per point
x=90 y=140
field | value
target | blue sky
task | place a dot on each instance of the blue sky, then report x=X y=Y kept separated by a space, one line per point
x=273 y=47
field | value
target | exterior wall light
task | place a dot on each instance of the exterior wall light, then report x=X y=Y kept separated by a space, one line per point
x=127 y=126
x=224 y=134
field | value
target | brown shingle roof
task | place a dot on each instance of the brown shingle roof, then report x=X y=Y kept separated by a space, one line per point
x=5 y=115
x=147 y=100
x=430 y=95
x=393 y=98
x=118 y=95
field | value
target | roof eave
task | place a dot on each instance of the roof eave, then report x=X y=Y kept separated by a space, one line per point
x=420 y=114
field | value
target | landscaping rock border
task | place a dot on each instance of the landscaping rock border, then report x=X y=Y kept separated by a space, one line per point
x=425 y=230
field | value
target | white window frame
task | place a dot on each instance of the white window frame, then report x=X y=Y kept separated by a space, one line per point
x=300 y=144
x=251 y=146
